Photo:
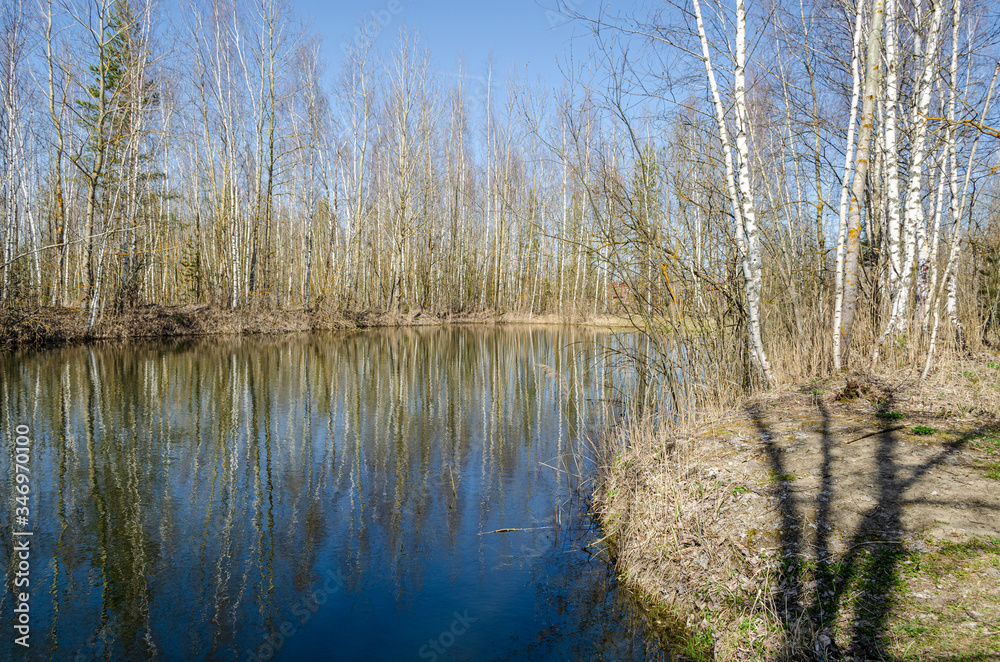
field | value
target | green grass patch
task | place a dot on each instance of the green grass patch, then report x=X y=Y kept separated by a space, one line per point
x=989 y=443
x=971 y=548
x=972 y=377
x=925 y=629
x=699 y=647
x=891 y=415
x=922 y=430
x=950 y=557
x=896 y=599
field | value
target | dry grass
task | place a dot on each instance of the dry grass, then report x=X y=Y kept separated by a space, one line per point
x=60 y=325
x=45 y=326
x=669 y=513
x=764 y=535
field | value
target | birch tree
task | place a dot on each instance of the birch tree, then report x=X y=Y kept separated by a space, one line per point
x=57 y=107
x=852 y=241
x=902 y=254
x=948 y=284
x=16 y=206
x=741 y=195
x=845 y=185
x=356 y=92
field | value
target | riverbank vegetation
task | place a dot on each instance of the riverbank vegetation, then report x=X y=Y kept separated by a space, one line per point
x=807 y=524
x=198 y=157
x=771 y=194
x=813 y=522
x=52 y=326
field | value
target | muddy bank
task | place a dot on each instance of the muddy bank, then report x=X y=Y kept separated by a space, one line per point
x=51 y=326
x=820 y=522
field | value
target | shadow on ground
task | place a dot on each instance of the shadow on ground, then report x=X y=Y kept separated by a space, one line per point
x=822 y=590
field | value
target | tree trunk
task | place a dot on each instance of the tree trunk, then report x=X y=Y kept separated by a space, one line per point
x=852 y=245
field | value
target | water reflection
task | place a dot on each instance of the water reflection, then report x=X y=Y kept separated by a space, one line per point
x=316 y=497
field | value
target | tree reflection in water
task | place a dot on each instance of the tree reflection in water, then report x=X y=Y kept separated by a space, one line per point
x=194 y=498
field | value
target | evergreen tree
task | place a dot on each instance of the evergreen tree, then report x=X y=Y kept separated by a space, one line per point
x=111 y=161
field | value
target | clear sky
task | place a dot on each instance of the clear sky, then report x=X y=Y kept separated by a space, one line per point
x=526 y=34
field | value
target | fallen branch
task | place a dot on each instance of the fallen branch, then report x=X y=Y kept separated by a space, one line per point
x=872 y=434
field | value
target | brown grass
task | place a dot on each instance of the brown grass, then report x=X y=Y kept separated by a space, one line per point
x=762 y=535
x=668 y=512
x=47 y=326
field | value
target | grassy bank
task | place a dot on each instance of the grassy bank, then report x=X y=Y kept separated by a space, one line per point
x=45 y=326
x=833 y=520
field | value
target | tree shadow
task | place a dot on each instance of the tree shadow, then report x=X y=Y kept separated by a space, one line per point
x=814 y=588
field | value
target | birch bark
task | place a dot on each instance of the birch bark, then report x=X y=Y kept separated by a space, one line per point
x=949 y=277
x=60 y=295
x=873 y=75
x=913 y=212
x=747 y=232
x=845 y=185
x=892 y=152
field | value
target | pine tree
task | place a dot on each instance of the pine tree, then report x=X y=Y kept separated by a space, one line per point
x=111 y=162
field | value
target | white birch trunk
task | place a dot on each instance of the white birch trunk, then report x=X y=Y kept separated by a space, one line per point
x=873 y=74
x=932 y=276
x=845 y=186
x=949 y=278
x=747 y=232
x=914 y=223
x=892 y=151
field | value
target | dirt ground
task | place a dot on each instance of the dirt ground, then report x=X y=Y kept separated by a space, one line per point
x=824 y=522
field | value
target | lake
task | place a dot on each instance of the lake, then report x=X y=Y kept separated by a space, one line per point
x=404 y=494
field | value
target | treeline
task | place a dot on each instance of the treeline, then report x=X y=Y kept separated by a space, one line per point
x=790 y=181
x=222 y=170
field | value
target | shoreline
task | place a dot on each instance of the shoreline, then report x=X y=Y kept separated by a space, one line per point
x=822 y=521
x=51 y=327
x=788 y=527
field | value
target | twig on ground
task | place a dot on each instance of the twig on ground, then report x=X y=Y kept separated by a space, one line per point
x=872 y=434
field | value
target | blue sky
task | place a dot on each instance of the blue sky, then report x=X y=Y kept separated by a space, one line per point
x=524 y=34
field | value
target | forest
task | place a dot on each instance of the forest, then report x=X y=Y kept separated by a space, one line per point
x=793 y=187
x=766 y=427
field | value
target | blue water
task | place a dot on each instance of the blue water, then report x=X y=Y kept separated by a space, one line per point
x=315 y=497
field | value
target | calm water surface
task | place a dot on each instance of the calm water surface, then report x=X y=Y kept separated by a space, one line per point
x=323 y=497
